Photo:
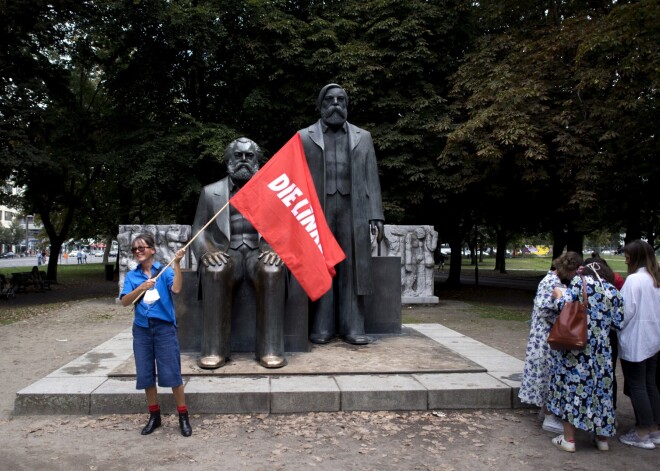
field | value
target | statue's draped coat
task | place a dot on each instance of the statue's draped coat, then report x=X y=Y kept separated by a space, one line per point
x=365 y=192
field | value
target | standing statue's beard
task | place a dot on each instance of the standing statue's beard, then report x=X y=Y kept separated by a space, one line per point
x=241 y=173
x=334 y=116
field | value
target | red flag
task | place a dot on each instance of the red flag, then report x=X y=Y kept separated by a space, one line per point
x=281 y=203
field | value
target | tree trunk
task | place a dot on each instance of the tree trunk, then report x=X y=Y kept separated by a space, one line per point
x=55 y=249
x=106 y=251
x=456 y=260
x=575 y=241
x=500 y=254
x=559 y=242
x=633 y=226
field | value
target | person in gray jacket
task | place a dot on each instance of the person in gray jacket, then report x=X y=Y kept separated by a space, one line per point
x=342 y=162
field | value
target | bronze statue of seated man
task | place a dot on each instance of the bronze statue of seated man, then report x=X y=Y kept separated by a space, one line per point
x=229 y=252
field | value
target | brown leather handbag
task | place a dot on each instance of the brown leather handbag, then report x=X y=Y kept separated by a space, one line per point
x=569 y=332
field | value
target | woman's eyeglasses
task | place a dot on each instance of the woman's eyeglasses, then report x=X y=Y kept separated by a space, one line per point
x=139 y=249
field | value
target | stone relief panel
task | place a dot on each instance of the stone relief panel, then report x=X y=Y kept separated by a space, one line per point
x=415 y=246
x=169 y=238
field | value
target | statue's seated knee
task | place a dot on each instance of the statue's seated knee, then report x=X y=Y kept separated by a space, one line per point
x=217 y=272
x=268 y=271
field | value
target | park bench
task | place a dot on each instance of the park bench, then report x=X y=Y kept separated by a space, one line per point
x=6 y=289
x=21 y=281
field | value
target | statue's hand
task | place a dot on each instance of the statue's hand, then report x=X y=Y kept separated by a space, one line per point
x=215 y=258
x=378 y=228
x=270 y=258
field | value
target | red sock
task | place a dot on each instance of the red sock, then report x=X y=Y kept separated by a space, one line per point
x=182 y=409
x=154 y=408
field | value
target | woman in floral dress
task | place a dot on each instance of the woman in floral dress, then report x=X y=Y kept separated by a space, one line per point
x=534 y=387
x=581 y=389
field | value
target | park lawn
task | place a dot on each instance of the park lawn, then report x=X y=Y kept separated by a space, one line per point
x=66 y=273
x=530 y=265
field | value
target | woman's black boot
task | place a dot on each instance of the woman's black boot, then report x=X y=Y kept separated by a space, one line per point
x=153 y=424
x=184 y=423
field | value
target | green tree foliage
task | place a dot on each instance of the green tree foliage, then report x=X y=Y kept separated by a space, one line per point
x=118 y=111
x=539 y=105
x=48 y=132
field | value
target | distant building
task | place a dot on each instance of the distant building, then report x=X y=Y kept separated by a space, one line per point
x=9 y=216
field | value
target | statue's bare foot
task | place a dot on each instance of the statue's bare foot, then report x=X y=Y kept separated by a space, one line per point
x=272 y=361
x=211 y=362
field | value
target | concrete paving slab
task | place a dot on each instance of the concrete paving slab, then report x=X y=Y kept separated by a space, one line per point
x=57 y=396
x=228 y=395
x=297 y=394
x=120 y=394
x=465 y=391
x=381 y=392
x=91 y=364
x=435 y=331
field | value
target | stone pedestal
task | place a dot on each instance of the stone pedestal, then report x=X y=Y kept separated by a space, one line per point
x=383 y=308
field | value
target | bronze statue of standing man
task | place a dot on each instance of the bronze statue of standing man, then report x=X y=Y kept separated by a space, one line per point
x=342 y=161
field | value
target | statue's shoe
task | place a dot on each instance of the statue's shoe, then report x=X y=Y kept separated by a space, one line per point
x=358 y=339
x=320 y=339
x=211 y=362
x=272 y=361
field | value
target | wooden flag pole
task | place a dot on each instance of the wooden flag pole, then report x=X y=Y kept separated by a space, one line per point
x=139 y=298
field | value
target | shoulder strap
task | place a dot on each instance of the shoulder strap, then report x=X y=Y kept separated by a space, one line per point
x=585 y=301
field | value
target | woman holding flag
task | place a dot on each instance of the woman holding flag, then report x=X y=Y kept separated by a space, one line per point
x=155 y=342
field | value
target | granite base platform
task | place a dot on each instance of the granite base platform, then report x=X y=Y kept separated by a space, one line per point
x=428 y=366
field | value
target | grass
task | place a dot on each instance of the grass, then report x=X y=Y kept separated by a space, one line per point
x=74 y=283
x=67 y=274
x=502 y=313
x=531 y=265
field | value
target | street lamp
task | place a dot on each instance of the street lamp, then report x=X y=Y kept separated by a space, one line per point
x=476 y=255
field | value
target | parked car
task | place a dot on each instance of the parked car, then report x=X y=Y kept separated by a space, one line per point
x=8 y=255
x=98 y=253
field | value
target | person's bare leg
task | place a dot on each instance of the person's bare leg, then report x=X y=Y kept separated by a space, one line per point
x=152 y=395
x=569 y=432
x=179 y=396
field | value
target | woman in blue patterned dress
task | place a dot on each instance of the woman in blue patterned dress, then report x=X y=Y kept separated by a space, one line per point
x=535 y=384
x=581 y=390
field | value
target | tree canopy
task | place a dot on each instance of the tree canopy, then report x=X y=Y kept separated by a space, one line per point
x=501 y=118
